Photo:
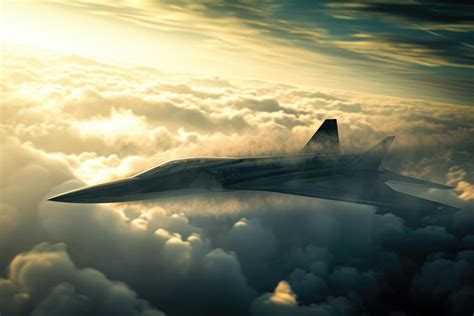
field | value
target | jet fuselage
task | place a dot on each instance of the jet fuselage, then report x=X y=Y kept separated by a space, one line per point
x=201 y=175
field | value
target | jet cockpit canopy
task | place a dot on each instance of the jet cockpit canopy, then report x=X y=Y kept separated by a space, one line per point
x=175 y=165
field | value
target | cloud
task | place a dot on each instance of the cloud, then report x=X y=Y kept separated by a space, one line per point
x=235 y=254
x=424 y=11
x=466 y=189
x=443 y=278
x=405 y=50
x=283 y=302
x=456 y=177
x=44 y=281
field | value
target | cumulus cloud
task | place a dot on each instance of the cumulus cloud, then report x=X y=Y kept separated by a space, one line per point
x=449 y=279
x=283 y=302
x=234 y=254
x=44 y=281
x=465 y=189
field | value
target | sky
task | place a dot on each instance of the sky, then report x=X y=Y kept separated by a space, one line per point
x=419 y=49
x=97 y=91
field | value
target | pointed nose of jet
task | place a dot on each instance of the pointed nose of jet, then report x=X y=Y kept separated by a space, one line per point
x=76 y=196
x=60 y=198
x=116 y=191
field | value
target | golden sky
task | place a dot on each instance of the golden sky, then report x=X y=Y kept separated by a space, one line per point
x=325 y=46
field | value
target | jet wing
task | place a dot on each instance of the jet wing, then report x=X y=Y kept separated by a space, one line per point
x=345 y=188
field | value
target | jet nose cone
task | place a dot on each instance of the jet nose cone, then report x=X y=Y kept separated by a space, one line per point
x=116 y=191
x=57 y=198
x=67 y=197
x=78 y=196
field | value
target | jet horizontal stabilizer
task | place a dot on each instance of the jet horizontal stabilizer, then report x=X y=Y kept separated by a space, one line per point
x=392 y=177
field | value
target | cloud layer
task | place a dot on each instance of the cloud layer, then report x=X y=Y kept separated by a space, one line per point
x=67 y=121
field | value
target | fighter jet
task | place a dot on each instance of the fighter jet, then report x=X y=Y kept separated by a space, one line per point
x=319 y=170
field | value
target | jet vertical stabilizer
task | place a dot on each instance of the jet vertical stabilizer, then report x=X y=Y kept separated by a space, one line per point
x=372 y=158
x=325 y=140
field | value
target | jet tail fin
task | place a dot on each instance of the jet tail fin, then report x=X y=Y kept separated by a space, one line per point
x=325 y=140
x=372 y=158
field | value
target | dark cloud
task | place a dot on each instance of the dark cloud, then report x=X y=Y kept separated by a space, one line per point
x=445 y=278
x=456 y=12
x=446 y=51
x=424 y=33
x=44 y=281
